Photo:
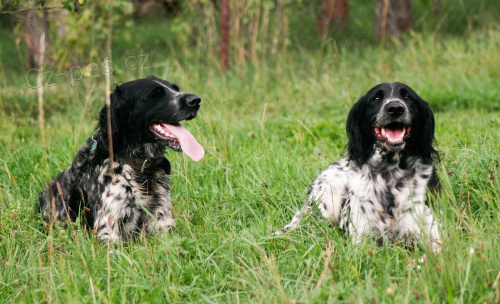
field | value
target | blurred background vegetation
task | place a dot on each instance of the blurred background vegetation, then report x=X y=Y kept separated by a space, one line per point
x=146 y=37
x=257 y=30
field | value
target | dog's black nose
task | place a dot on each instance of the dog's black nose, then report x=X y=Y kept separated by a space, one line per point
x=395 y=109
x=191 y=100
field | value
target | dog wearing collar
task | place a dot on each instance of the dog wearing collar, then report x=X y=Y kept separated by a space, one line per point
x=122 y=197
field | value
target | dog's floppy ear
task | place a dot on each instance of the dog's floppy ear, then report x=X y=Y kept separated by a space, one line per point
x=422 y=143
x=358 y=147
x=120 y=115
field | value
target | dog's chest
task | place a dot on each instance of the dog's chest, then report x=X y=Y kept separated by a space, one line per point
x=133 y=187
x=150 y=189
x=381 y=198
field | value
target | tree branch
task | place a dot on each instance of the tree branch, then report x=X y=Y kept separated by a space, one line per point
x=31 y=9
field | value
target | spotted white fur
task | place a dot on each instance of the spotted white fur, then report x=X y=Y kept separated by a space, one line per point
x=353 y=198
x=134 y=205
x=381 y=190
x=133 y=196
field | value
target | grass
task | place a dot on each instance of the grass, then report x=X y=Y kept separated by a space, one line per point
x=268 y=129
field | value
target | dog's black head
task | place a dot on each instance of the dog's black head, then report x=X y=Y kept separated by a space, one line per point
x=394 y=117
x=145 y=113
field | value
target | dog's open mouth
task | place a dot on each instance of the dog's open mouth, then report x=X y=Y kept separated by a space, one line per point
x=393 y=133
x=179 y=139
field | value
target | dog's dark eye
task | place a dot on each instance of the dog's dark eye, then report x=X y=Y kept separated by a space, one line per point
x=408 y=98
x=158 y=92
x=376 y=99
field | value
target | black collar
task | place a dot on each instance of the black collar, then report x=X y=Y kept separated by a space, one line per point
x=143 y=165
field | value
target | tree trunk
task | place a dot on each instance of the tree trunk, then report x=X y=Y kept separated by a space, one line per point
x=392 y=18
x=36 y=24
x=333 y=16
x=224 y=42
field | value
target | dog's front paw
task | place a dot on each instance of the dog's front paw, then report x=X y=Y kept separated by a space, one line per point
x=279 y=233
x=282 y=231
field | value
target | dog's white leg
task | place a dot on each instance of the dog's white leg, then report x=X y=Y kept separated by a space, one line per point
x=106 y=228
x=161 y=219
x=316 y=194
x=357 y=223
x=421 y=224
x=161 y=222
x=296 y=219
x=327 y=190
x=159 y=215
x=119 y=213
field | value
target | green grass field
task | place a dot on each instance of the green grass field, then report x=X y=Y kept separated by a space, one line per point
x=268 y=128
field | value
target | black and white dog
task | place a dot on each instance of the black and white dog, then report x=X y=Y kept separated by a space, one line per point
x=131 y=194
x=380 y=188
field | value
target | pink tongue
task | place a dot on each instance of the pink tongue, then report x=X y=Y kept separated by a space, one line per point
x=189 y=145
x=394 y=135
